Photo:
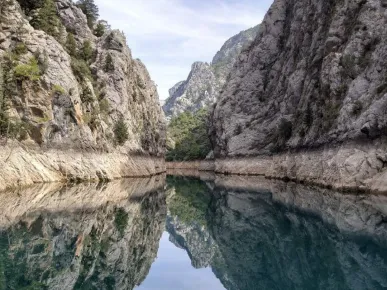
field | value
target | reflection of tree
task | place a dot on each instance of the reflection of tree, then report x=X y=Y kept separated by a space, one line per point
x=189 y=200
x=109 y=247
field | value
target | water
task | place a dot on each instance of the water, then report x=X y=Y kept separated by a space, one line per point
x=211 y=232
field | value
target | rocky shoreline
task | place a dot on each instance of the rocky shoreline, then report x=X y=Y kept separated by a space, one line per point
x=23 y=166
x=349 y=167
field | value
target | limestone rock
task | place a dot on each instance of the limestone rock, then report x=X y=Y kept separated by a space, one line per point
x=205 y=81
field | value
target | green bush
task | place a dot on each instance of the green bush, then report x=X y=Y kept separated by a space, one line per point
x=20 y=48
x=99 y=31
x=30 y=71
x=121 y=132
x=58 y=89
x=80 y=69
x=87 y=96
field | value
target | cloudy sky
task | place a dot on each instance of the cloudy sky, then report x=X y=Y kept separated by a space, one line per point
x=169 y=35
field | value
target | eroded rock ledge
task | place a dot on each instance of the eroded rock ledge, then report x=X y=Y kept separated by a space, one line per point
x=25 y=166
x=346 y=167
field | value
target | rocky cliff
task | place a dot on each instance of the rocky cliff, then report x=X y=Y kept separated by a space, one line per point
x=202 y=87
x=310 y=91
x=67 y=89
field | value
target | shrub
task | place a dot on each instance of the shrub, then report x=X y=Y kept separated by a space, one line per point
x=121 y=220
x=87 y=96
x=100 y=30
x=109 y=64
x=28 y=71
x=86 y=51
x=80 y=69
x=58 y=89
x=121 y=132
x=71 y=45
x=20 y=48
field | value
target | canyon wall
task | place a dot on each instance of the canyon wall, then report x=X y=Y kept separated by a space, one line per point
x=307 y=100
x=73 y=97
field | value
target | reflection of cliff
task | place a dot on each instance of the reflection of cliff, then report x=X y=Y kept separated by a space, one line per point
x=83 y=237
x=275 y=235
x=188 y=201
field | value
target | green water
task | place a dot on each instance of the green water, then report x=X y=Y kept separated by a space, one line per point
x=210 y=233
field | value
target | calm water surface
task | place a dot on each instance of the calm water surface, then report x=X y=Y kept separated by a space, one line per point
x=210 y=232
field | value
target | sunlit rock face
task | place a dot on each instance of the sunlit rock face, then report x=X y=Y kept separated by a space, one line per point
x=205 y=81
x=86 y=237
x=72 y=107
x=275 y=235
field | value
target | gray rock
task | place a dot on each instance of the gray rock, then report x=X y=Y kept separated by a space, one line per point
x=205 y=81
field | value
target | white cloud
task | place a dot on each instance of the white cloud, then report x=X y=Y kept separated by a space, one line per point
x=171 y=34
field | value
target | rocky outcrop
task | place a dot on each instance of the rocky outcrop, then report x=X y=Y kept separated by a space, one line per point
x=314 y=78
x=205 y=81
x=103 y=236
x=66 y=93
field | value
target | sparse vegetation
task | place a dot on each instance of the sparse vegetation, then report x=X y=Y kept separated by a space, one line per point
x=20 y=48
x=57 y=89
x=189 y=131
x=121 y=220
x=30 y=71
x=121 y=132
x=87 y=96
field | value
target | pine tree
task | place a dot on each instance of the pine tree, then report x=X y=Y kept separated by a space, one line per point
x=90 y=9
x=100 y=30
x=71 y=45
x=47 y=19
x=121 y=132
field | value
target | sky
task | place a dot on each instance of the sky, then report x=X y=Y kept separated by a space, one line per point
x=169 y=35
x=173 y=270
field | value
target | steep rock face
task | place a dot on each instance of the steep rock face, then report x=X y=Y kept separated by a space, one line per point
x=315 y=76
x=107 y=241
x=205 y=81
x=198 y=91
x=65 y=106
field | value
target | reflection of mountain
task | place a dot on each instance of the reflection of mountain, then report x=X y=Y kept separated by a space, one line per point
x=96 y=237
x=273 y=235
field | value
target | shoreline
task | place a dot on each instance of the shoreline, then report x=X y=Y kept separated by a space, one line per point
x=21 y=167
x=349 y=167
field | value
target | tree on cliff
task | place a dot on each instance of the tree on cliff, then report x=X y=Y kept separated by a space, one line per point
x=90 y=9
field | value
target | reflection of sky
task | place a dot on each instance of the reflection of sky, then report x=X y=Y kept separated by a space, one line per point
x=173 y=270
